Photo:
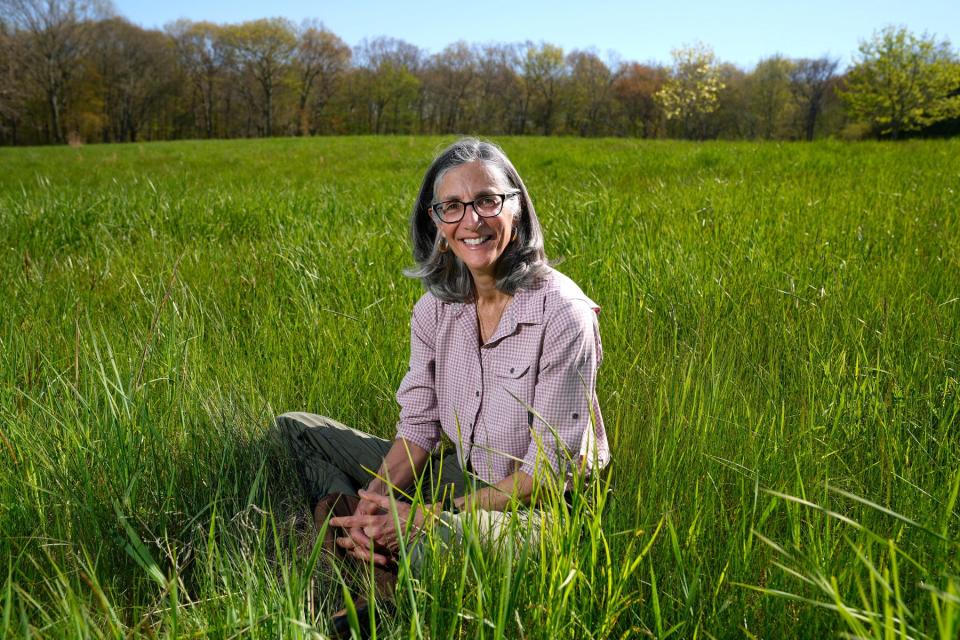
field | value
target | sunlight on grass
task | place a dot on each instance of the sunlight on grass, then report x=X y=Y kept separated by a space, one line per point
x=780 y=388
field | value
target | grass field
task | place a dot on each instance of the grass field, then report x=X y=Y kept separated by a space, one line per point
x=781 y=328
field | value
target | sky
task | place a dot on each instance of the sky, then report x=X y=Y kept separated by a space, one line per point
x=739 y=32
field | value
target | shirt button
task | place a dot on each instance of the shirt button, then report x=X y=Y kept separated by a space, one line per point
x=478 y=394
x=576 y=415
x=511 y=369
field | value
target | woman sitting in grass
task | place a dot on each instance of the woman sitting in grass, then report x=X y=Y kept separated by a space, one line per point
x=504 y=353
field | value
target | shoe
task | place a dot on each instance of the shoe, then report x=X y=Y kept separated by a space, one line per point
x=340 y=622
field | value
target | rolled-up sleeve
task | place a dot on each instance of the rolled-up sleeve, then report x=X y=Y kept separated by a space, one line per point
x=419 y=415
x=565 y=388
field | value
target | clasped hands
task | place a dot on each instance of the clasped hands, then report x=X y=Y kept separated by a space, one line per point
x=372 y=533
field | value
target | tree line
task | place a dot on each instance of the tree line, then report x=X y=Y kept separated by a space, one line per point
x=73 y=71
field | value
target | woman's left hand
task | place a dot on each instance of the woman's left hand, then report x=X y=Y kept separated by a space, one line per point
x=380 y=528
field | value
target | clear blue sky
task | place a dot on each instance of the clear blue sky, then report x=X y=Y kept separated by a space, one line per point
x=740 y=32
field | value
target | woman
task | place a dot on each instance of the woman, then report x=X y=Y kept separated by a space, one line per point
x=504 y=353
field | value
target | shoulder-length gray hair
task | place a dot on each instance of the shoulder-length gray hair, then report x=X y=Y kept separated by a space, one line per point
x=443 y=274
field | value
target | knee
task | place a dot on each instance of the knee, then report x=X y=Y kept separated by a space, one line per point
x=289 y=417
x=285 y=422
x=293 y=422
x=297 y=426
x=287 y=428
x=306 y=419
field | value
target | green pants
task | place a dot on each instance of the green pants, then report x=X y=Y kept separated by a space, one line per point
x=333 y=458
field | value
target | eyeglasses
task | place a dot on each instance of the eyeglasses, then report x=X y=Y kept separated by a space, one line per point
x=486 y=206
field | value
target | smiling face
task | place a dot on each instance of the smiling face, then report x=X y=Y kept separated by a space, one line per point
x=478 y=242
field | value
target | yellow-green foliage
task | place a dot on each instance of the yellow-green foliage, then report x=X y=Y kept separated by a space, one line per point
x=692 y=90
x=902 y=82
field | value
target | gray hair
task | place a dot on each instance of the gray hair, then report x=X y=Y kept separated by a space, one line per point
x=522 y=263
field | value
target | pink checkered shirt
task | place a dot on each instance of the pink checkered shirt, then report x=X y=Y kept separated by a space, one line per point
x=544 y=356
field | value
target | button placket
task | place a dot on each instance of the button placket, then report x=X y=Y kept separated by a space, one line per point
x=478 y=393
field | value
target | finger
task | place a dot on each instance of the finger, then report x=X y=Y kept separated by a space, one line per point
x=343 y=522
x=351 y=522
x=380 y=500
x=365 y=555
x=366 y=508
x=359 y=538
x=355 y=542
x=370 y=499
x=356 y=552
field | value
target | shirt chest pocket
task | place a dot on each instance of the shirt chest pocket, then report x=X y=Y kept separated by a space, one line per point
x=511 y=371
x=513 y=383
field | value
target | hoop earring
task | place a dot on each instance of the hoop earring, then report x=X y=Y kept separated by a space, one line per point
x=442 y=245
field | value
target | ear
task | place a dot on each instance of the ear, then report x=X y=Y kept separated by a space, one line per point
x=433 y=217
x=441 y=236
x=439 y=227
x=518 y=213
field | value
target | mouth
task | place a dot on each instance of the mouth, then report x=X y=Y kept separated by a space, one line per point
x=476 y=242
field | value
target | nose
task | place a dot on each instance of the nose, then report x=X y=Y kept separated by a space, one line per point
x=470 y=215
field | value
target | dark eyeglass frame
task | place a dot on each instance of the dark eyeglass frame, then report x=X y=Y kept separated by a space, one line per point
x=438 y=207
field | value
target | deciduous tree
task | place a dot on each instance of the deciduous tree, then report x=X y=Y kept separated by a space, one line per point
x=635 y=89
x=132 y=70
x=263 y=49
x=810 y=80
x=503 y=101
x=451 y=81
x=902 y=82
x=56 y=40
x=771 y=102
x=320 y=59
x=14 y=93
x=691 y=91
x=387 y=79
x=204 y=60
x=733 y=118
x=543 y=73
x=589 y=94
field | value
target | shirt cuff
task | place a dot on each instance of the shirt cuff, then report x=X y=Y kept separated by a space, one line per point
x=419 y=436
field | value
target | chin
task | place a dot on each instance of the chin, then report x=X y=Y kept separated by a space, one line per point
x=480 y=266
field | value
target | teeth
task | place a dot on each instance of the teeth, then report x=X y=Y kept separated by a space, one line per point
x=475 y=241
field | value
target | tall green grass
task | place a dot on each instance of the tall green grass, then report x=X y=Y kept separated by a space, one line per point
x=780 y=387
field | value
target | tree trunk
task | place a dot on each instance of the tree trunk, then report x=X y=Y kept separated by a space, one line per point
x=57 y=128
x=303 y=121
x=268 y=110
x=812 y=114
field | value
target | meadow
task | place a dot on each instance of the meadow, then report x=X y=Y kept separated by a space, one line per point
x=781 y=330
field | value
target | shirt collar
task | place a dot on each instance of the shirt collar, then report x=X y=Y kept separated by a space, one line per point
x=525 y=308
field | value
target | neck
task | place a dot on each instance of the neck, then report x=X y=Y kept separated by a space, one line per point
x=486 y=290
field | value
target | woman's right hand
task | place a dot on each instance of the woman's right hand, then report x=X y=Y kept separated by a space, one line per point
x=399 y=466
x=356 y=542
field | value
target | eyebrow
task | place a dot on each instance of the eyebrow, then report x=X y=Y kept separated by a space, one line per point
x=478 y=194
